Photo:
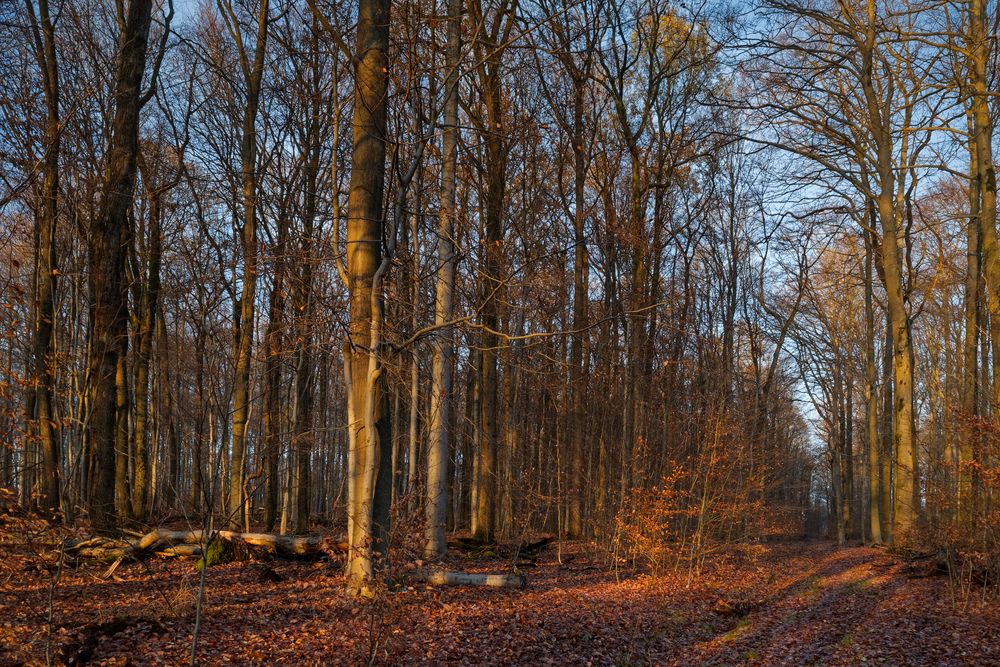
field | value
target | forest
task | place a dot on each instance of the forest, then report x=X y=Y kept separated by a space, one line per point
x=499 y=332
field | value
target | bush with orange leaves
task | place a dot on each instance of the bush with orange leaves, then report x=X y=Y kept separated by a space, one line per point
x=973 y=537
x=652 y=528
x=711 y=499
x=962 y=511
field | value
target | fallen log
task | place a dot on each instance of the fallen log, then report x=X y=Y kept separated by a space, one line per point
x=102 y=549
x=181 y=551
x=103 y=555
x=187 y=543
x=445 y=578
x=294 y=545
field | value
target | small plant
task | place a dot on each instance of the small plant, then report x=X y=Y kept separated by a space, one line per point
x=703 y=502
x=741 y=628
x=655 y=525
x=184 y=600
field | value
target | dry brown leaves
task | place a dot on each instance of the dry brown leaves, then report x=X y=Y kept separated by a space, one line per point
x=794 y=604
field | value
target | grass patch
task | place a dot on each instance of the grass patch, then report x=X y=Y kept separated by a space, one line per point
x=811 y=588
x=741 y=628
x=860 y=585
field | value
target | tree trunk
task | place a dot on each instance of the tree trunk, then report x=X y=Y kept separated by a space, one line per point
x=123 y=500
x=871 y=403
x=581 y=291
x=886 y=454
x=905 y=500
x=147 y=330
x=171 y=483
x=368 y=413
x=243 y=342
x=202 y=429
x=484 y=515
x=970 y=344
x=302 y=437
x=171 y=542
x=413 y=418
x=272 y=377
x=980 y=36
x=904 y=493
x=109 y=315
x=40 y=399
x=442 y=578
x=441 y=394
x=848 y=438
x=837 y=452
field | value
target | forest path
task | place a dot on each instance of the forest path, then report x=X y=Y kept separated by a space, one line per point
x=851 y=606
x=797 y=603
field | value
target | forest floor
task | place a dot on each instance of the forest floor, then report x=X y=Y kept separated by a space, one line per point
x=796 y=603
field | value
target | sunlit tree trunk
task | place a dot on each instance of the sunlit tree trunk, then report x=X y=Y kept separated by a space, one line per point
x=875 y=487
x=905 y=503
x=849 y=490
x=981 y=35
x=443 y=346
x=202 y=438
x=123 y=500
x=970 y=344
x=368 y=413
x=171 y=483
x=904 y=490
x=888 y=421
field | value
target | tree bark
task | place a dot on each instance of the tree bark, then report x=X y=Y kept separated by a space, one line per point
x=147 y=325
x=970 y=344
x=169 y=541
x=581 y=298
x=492 y=44
x=871 y=403
x=171 y=484
x=441 y=395
x=123 y=500
x=985 y=183
x=40 y=398
x=904 y=493
x=109 y=314
x=302 y=437
x=443 y=578
x=905 y=501
x=272 y=377
x=368 y=412
x=243 y=343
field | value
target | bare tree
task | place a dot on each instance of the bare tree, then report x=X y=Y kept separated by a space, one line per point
x=40 y=401
x=110 y=237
